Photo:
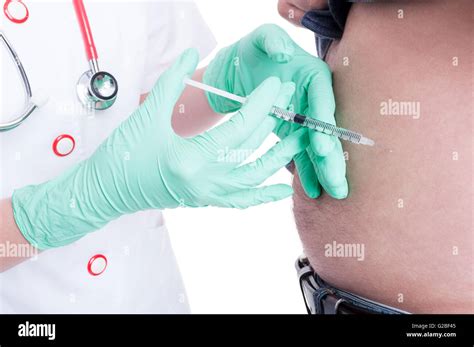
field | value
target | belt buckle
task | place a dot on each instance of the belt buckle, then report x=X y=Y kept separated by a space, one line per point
x=312 y=293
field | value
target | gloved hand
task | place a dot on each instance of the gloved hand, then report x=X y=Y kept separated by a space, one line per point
x=145 y=165
x=269 y=51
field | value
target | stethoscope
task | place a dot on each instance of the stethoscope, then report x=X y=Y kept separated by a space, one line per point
x=96 y=89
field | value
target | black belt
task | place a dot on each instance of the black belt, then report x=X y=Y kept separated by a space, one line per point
x=322 y=298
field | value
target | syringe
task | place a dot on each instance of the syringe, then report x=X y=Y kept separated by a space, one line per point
x=308 y=122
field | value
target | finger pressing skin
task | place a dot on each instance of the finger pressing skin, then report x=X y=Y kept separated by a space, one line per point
x=322 y=106
x=331 y=172
x=307 y=175
x=274 y=42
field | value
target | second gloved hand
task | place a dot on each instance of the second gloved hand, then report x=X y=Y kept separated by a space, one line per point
x=269 y=51
x=145 y=165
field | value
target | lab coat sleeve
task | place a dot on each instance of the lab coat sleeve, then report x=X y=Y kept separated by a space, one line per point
x=173 y=26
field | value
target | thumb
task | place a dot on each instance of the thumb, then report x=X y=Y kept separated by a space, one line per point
x=274 y=42
x=167 y=90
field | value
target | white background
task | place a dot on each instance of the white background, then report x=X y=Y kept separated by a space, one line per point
x=237 y=261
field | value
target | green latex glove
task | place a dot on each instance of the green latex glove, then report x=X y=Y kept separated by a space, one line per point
x=145 y=165
x=269 y=51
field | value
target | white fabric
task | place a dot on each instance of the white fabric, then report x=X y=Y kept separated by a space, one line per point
x=135 y=41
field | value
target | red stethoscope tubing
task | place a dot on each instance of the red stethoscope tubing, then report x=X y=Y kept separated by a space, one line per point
x=86 y=32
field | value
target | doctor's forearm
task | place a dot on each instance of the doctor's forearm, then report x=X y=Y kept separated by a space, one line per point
x=14 y=247
x=192 y=114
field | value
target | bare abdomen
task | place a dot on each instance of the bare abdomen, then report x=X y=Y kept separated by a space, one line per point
x=404 y=80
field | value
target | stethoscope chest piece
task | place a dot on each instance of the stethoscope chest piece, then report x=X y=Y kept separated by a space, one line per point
x=97 y=90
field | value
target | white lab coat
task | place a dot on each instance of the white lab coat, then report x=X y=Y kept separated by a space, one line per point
x=136 y=41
